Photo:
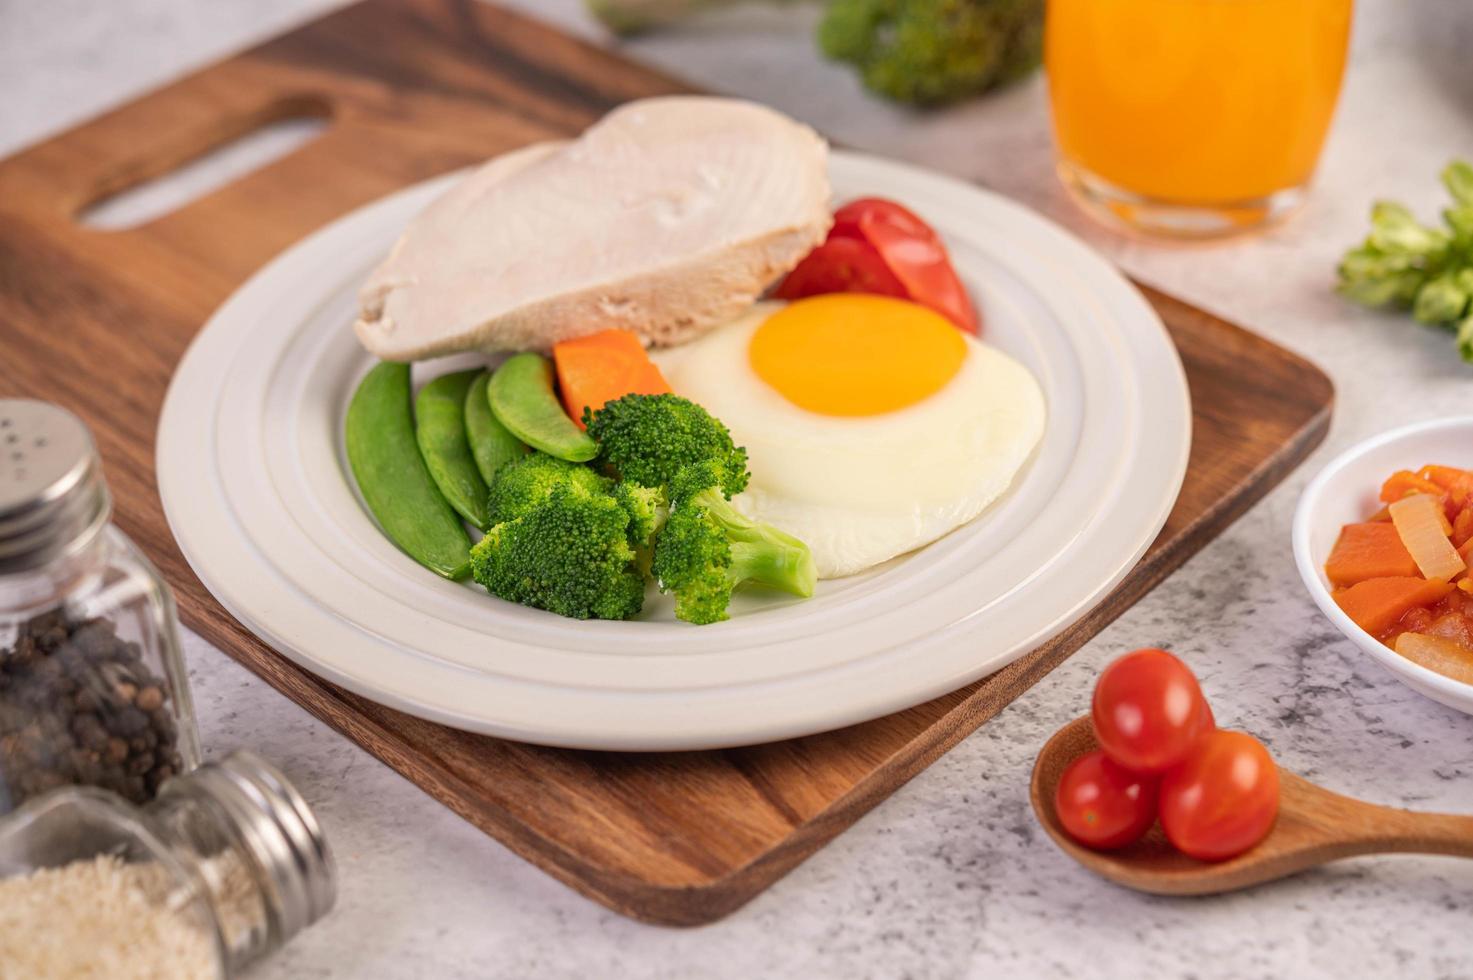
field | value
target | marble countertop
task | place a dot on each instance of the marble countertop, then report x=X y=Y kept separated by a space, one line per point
x=951 y=876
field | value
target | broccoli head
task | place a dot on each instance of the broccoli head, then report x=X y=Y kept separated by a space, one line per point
x=648 y=439
x=707 y=549
x=934 y=51
x=646 y=508
x=569 y=553
x=525 y=482
x=921 y=51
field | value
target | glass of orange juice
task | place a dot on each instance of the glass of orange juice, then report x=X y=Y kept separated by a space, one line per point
x=1193 y=117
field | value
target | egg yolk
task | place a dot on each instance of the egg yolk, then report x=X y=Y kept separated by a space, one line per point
x=855 y=354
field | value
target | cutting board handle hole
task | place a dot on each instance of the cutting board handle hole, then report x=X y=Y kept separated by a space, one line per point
x=197 y=165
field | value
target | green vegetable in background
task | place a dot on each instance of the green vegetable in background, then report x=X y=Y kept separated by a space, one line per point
x=925 y=52
x=440 y=429
x=392 y=476
x=934 y=51
x=491 y=444
x=1429 y=271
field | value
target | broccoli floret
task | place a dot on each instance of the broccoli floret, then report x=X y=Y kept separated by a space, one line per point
x=647 y=509
x=921 y=51
x=934 y=51
x=647 y=439
x=707 y=549
x=568 y=553
x=523 y=483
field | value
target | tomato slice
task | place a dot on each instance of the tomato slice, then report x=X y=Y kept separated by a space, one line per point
x=1148 y=710
x=1104 y=805
x=841 y=265
x=851 y=220
x=913 y=252
x=1222 y=799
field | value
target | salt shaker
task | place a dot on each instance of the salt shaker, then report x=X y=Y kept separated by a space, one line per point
x=221 y=869
x=92 y=686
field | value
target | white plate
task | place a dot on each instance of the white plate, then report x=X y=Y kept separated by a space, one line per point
x=256 y=489
x=1346 y=492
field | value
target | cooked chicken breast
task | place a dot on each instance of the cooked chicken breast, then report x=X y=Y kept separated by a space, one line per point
x=667 y=217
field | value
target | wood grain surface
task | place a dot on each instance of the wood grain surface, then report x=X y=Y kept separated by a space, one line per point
x=412 y=88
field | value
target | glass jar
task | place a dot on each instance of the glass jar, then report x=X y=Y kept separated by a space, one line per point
x=221 y=869
x=92 y=686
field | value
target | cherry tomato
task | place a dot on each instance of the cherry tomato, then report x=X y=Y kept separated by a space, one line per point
x=877 y=246
x=1222 y=798
x=1104 y=805
x=1149 y=710
x=913 y=252
x=841 y=265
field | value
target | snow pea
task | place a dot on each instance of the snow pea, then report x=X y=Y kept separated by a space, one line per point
x=441 y=430
x=393 y=478
x=522 y=399
x=491 y=444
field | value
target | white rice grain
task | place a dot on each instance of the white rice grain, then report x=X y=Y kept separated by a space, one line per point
x=101 y=918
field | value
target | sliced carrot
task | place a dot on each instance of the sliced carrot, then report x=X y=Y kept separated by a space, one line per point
x=1404 y=482
x=1446 y=477
x=603 y=366
x=1460 y=492
x=1377 y=603
x=1382 y=515
x=1368 y=551
x=1463 y=527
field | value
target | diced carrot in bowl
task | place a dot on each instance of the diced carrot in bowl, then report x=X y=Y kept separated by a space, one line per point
x=1446 y=477
x=1463 y=527
x=1377 y=603
x=1402 y=483
x=1368 y=551
x=603 y=366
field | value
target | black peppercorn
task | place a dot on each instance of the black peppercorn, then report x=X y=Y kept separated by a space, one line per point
x=78 y=705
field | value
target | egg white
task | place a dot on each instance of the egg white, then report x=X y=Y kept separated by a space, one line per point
x=861 y=490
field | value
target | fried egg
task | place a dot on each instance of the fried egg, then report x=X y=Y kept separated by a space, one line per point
x=872 y=425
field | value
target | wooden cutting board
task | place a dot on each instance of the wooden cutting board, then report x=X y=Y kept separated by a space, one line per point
x=97 y=320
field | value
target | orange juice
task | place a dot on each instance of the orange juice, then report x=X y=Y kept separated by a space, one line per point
x=1195 y=102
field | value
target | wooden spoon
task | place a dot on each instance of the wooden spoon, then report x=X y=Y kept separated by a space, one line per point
x=1315 y=826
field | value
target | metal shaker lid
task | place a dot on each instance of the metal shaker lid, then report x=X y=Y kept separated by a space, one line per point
x=279 y=831
x=53 y=498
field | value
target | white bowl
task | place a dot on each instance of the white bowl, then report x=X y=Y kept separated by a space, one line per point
x=1345 y=492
